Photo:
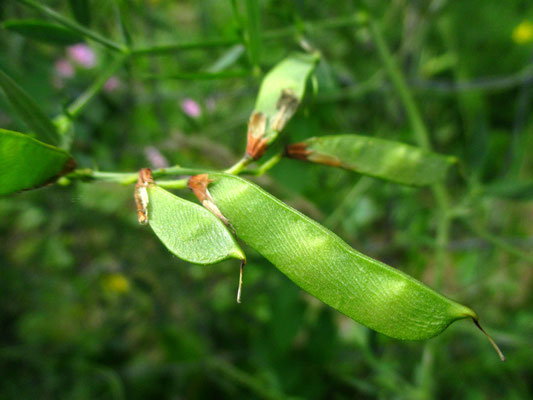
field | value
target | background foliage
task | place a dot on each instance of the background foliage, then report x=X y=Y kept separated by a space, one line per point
x=93 y=306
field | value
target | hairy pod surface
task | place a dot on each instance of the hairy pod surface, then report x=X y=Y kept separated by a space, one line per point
x=368 y=291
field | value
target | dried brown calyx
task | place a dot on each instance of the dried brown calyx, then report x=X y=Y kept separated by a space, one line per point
x=141 y=194
x=297 y=150
x=256 y=142
x=198 y=184
x=301 y=152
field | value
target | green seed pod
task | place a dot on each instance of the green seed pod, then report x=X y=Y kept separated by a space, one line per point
x=385 y=159
x=188 y=230
x=368 y=291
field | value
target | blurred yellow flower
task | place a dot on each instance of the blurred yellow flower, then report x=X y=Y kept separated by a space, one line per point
x=523 y=33
x=116 y=283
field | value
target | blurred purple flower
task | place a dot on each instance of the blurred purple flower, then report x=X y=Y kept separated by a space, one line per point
x=191 y=108
x=154 y=156
x=112 y=84
x=64 y=68
x=82 y=55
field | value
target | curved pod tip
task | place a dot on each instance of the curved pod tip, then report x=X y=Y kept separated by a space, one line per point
x=492 y=342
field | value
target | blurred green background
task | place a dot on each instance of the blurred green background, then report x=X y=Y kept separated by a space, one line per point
x=92 y=306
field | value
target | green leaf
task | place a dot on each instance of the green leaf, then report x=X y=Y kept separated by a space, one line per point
x=43 y=31
x=188 y=230
x=368 y=291
x=385 y=159
x=290 y=75
x=27 y=163
x=81 y=11
x=30 y=113
x=253 y=25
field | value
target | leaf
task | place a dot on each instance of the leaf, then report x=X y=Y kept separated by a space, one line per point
x=30 y=113
x=81 y=11
x=385 y=159
x=290 y=75
x=27 y=163
x=188 y=230
x=253 y=25
x=43 y=31
x=368 y=291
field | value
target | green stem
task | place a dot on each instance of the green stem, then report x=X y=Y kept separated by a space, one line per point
x=239 y=166
x=202 y=76
x=439 y=191
x=75 y=26
x=359 y=188
x=79 y=104
x=332 y=23
x=265 y=167
x=498 y=242
x=173 y=47
x=127 y=178
x=255 y=385
x=177 y=184
x=400 y=84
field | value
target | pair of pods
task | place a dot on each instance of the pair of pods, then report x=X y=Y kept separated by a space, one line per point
x=368 y=291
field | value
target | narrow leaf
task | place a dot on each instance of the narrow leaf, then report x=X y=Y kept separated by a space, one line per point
x=28 y=110
x=188 y=230
x=43 y=31
x=253 y=24
x=27 y=163
x=392 y=161
x=81 y=11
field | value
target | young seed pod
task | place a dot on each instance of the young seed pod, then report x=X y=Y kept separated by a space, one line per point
x=188 y=230
x=368 y=291
x=380 y=158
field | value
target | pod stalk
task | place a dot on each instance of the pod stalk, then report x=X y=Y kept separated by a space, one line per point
x=243 y=262
x=492 y=342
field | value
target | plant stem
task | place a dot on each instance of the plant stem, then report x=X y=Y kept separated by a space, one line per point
x=75 y=26
x=177 y=184
x=361 y=186
x=332 y=23
x=254 y=384
x=239 y=166
x=498 y=242
x=400 y=84
x=79 y=104
x=439 y=191
x=265 y=167
x=127 y=178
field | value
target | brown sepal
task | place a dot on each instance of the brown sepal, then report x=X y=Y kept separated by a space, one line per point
x=297 y=150
x=256 y=142
x=198 y=184
x=141 y=195
x=300 y=151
